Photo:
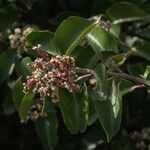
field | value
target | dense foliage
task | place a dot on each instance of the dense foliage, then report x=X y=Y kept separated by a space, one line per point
x=75 y=74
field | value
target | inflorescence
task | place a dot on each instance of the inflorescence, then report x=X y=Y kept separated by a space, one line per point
x=18 y=41
x=140 y=139
x=36 y=109
x=50 y=74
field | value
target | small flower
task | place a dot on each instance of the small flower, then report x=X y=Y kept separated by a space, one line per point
x=38 y=49
x=105 y=24
x=50 y=74
x=140 y=139
x=18 y=41
x=17 y=31
x=36 y=109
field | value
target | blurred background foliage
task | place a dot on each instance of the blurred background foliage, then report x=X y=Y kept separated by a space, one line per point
x=48 y=14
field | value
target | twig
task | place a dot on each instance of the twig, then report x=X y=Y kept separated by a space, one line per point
x=123 y=43
x=83 y=77
x=129 y=77
x=112 y=63
x=138 y=86
x=81 y=71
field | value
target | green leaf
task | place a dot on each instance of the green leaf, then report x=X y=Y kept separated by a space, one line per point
x=8 y=104
x=8 y=17
x=46 y=39
x=119 y=59
x=143 y=49
x=124 y=12
x=46 y=128
x=74 y=108
x=17 y=93
x=100 y=91
x=21 y=67
x=92 y=113
x=25 y=104
x=62 y=16
x=109 y=113
x=125 y=86
x=108 y=103
x=6 y=64
x=101 y=41
x=71 y=32
x=115 y=30
x=84 y=57
x=146 y=74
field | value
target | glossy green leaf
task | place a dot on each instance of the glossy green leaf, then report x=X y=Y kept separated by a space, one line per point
x=25 y=104
x=124 y=11
x=108 y=103
x=6 y=64
x=100 y=91
x=146 y=74
x=17 y=93
x=92 y=113
x=101 y=41
x=46 y=128
x=120 y=59
x=85 y=57
x=125 y=86
x=115 y=30
x=46 y=39
x=71 y=32
x=62 y=16
x=143 y=49
x=109 y=113
x=74 y=108
x=21 y=67
x=107 y=56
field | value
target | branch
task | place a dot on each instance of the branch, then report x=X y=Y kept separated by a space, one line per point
x=138 y=86
x=129 y=77
x=112 y=63
x=81 y=71
x=83 y=77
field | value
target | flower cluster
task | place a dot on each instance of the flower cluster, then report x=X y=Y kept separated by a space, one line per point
x=36 y=109
x=51 y=74
x=63 y=74
x=105 y=24
x=18 y=41
x=140 y=139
